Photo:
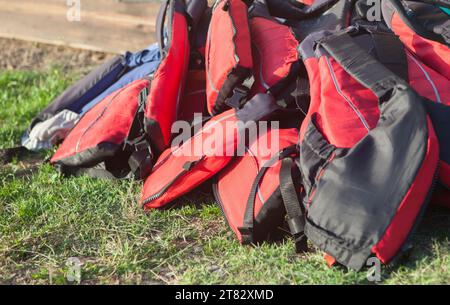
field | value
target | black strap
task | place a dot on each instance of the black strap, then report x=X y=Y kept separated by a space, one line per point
x=292 y=9
x=248 y=224
x=258 y=108
x=99 y=171
x=259 y=8
x=195 y=10
x=247 y=229
x=295 y=215
x=141 y=160
x=391 y=53
x=361 y=65
x=141 y=157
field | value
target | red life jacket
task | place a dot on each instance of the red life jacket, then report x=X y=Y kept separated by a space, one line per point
x=169 y=79
x=141 y=128
x=228 y=53
x=275 y=52
x=248 y=190
x=94 y=148
x=368 y=151
x=425 y=31
x=193 y=99
x=194 y=96
x=181 y=169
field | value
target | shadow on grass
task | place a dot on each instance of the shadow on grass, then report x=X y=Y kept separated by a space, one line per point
x=27 y=162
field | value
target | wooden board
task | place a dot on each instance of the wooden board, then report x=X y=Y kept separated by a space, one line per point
x=105 y=25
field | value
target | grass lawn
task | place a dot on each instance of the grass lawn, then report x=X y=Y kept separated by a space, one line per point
x=46 y=219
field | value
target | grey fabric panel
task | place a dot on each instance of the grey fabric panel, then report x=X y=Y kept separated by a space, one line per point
x=362 y=188
x=92 y=156
x=258 y=108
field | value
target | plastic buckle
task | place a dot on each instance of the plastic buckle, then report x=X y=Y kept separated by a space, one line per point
x=142 y=146
x=239 y=94
x=247 y=235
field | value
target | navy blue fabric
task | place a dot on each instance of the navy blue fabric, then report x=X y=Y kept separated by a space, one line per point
x=131 y=62
x=97 y=88
x=144 y=63
x=149 y=54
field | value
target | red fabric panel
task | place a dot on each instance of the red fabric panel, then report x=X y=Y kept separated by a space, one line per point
x=238 y=11
x=432 y=53
x=427 y=82
x=168 y=82
x=117 y=110
x=435 y=87
x=227 y=46
x=235 y=182
x=274 y=51
x=347 y=110
x=194 y=97
x=403 y=221
x=209 y=143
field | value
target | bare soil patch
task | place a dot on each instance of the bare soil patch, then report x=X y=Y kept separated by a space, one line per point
x=24 y=55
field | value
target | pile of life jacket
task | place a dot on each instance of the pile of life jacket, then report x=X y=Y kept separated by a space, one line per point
x=325 y=119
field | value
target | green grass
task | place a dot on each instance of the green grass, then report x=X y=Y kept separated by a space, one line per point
x=46 y=219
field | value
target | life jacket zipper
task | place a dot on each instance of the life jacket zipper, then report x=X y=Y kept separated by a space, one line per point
x=194 y=163
x=164 y=190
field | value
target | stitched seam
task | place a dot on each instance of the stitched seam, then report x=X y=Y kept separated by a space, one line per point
x=339 y=91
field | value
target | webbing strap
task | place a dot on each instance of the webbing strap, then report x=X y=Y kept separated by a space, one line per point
x=96 y=172
x=141 y=160
x=248 y=224
x=391 y=53
x=141 y=157
x=292 y=9
x=360 y=64
x=296 y=217
x=194 y=11
x=247 y=229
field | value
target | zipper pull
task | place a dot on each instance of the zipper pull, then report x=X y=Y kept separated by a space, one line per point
x=190 y=164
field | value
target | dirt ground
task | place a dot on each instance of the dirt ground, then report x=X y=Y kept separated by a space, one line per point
x=23 y=55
